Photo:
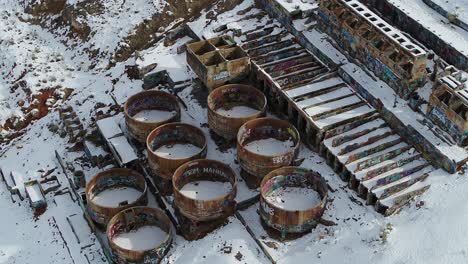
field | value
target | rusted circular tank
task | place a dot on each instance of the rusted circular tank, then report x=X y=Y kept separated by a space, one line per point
x=114 y=190
x=292 y=199
x=265 y=144
x=139 y=235
x=147 y=110
x=230 y=106
x=172 y=145
x=204 y=190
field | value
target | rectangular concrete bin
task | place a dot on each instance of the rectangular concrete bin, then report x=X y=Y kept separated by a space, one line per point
x=217 y=61
x=212 y=58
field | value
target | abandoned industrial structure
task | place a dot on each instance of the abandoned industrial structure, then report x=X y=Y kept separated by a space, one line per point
x=328 y=77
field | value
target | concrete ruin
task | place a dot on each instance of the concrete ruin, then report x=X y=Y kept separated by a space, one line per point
x=448 y=108
x=383 y=49
x=217 y=61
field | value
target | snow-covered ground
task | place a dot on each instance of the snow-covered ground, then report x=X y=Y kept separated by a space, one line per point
x=432 y=229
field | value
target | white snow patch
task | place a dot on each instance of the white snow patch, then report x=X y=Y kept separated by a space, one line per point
x=206 y=190
x=114 y=196
x=143 y=238
x=237 y=111
x=177 y=151
x=294 y=198
x=269 y=146
x=153 y=115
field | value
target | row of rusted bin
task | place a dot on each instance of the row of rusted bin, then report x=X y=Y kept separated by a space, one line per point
x=204 y=190
x=235 y=111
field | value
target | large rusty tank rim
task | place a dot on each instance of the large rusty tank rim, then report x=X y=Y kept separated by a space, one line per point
x=156 y=211
x=243 y=86
x=150 y=139
x=131 y=100
x=284 y=171
x=179 y=172
x=117 y=172
x=266 y=120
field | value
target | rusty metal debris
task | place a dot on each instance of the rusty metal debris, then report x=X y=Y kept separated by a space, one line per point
x=258 y=164
x=204 y=170
x=217 y=61
x=148 y=101
x=198 y=217
x=227 y=97
x=164 y=166
x=283 y=219
x=132 y=219
x=108 y=180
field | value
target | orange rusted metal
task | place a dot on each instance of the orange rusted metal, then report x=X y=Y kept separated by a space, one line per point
x=109 y=179
x=291 y=221
x=132 y=219
x=258 y=165
x=174 y=133
x=228 y=96
x=206 y=170
x=149 y=100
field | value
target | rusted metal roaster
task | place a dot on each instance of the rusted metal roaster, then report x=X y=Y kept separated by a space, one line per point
x=204 y=190
x=265 y=144
x=139 y=235
x=230 y=106
x=147 y=110
x=172 y=145
x=114 y=190
x=292 y=199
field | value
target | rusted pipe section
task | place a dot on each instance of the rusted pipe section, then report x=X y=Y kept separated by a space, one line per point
x=307 y=193
x=172 y=145
x=230 y=106
x=266 y=144
x=148 y=110
x=114 y=190
x=139 y=235
x=204 y=190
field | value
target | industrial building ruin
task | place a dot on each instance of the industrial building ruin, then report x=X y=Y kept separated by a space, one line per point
x=448 y=108
x=382 y=48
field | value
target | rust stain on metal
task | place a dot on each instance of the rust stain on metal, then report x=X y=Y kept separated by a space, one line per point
x=132 y=219
x=149 y=100
x=217 y=61
x=109 y=179
x=206 y=170
x=258 y=165
x=292 y=221
x=227 y=97
x=173 y=133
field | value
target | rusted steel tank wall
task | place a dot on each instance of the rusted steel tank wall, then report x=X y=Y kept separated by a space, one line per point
x=204 y=210
x=132 y=219
x=287 y=221
x=228 y=96
x=169 y=134
x=110 y=179
x=263 y=128
x=149 y=100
